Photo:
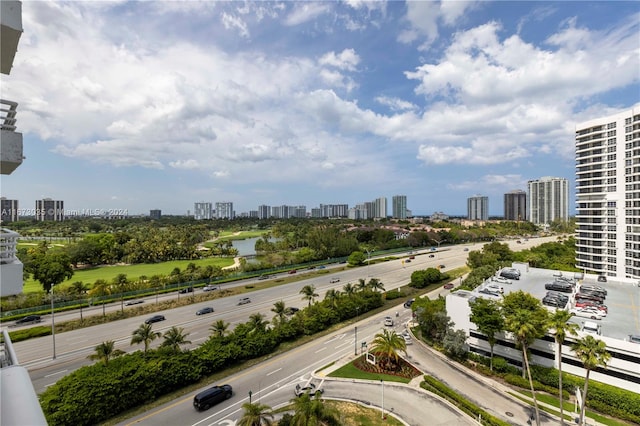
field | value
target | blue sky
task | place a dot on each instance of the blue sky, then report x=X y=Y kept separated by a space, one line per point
x=143 y=105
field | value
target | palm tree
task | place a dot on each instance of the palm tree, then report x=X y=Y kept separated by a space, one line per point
x=349 y=289
x=387 y=344
x=375 y=284
x=79 y=288
x=256 y=322
x=105 y=351
x=174 y=337
x=219 y=328
x=309 y=293
x=144 y=334
x=362 y=284
x=280 y=309
x=312 y=411
x=559 y=323
x=332 y=296
x=101 y=288
x=526 y=325
x=593 y=354
x=256 y=415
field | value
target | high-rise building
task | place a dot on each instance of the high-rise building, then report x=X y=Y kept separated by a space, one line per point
x=399 y=206
x=380 y=208
x=548 y=200
x=264 y=212
x=8 y=210
x=478 y=207
x=49 y=210
x=515 y=205
x=203 y=210
x=224 y=210
x=608 y=195
x=155 y=214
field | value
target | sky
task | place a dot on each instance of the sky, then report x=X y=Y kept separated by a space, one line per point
x=132 y=106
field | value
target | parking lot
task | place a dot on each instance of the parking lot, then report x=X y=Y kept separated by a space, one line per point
x=623 y=300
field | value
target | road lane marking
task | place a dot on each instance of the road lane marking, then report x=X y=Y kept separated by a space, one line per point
x=321 y=349
x=56 y=373
x=274 y=371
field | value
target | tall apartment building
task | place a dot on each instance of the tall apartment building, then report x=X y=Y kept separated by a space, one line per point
x=380 y=208
x=399 y=206
x=548 y=200
x=224 y=210
x=608 y=195
x=203 y=210
x=49 y=210
x=515 y=205
x=8 y=210
x=333 y=210
x=20 y=405
x=264 y=212
x=478 y=207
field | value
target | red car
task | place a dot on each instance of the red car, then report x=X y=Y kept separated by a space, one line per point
x=293 y=271
x=448 y=286
x=412 y=257
x=588 y=303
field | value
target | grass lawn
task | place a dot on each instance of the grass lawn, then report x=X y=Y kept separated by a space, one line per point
x=350 y=371
x=89 y=276
x=241 y=235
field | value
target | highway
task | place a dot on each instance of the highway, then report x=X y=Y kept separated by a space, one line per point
x=72 y=348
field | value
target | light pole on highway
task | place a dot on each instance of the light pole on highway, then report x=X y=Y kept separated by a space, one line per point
x=355 y=341
x=382 y=411
x=53 y=324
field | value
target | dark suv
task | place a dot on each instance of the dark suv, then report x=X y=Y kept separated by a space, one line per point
x=207 y=398
x=29 y=319
x=559 y=286
x=510 y=275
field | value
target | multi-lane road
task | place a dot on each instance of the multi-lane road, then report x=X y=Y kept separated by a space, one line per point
x=72 y=348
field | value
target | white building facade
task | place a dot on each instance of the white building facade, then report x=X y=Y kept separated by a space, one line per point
x=478 y=207
x=399 y=206
x=203 y=210
x=548 y=200
x=608 y=195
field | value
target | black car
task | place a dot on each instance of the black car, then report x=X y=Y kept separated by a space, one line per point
x=510 y=275
x=408 y=303
x=206 y=310
x=29 y=319
x=134 y=302
x=291 y=310
x=207 y=398
x=155 y=318
x=186 y=290
x=558 y=286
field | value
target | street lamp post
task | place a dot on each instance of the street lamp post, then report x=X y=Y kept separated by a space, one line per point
x=355 y=341
x=382 y=412
x=53 y=324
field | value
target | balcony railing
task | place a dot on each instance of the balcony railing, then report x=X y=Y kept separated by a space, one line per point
x=8 y=111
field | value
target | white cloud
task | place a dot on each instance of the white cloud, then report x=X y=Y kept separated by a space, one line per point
x=234 y=22
x=396 y=104
x=306 y=11
x=348 y=59
x=189 y=164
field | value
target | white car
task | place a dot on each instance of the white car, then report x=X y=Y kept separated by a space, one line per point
x=388 y=321
x=334 y=280
x=502 y=280
x=587 y=313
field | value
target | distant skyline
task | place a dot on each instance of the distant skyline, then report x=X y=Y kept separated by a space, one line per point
x=308 y=103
